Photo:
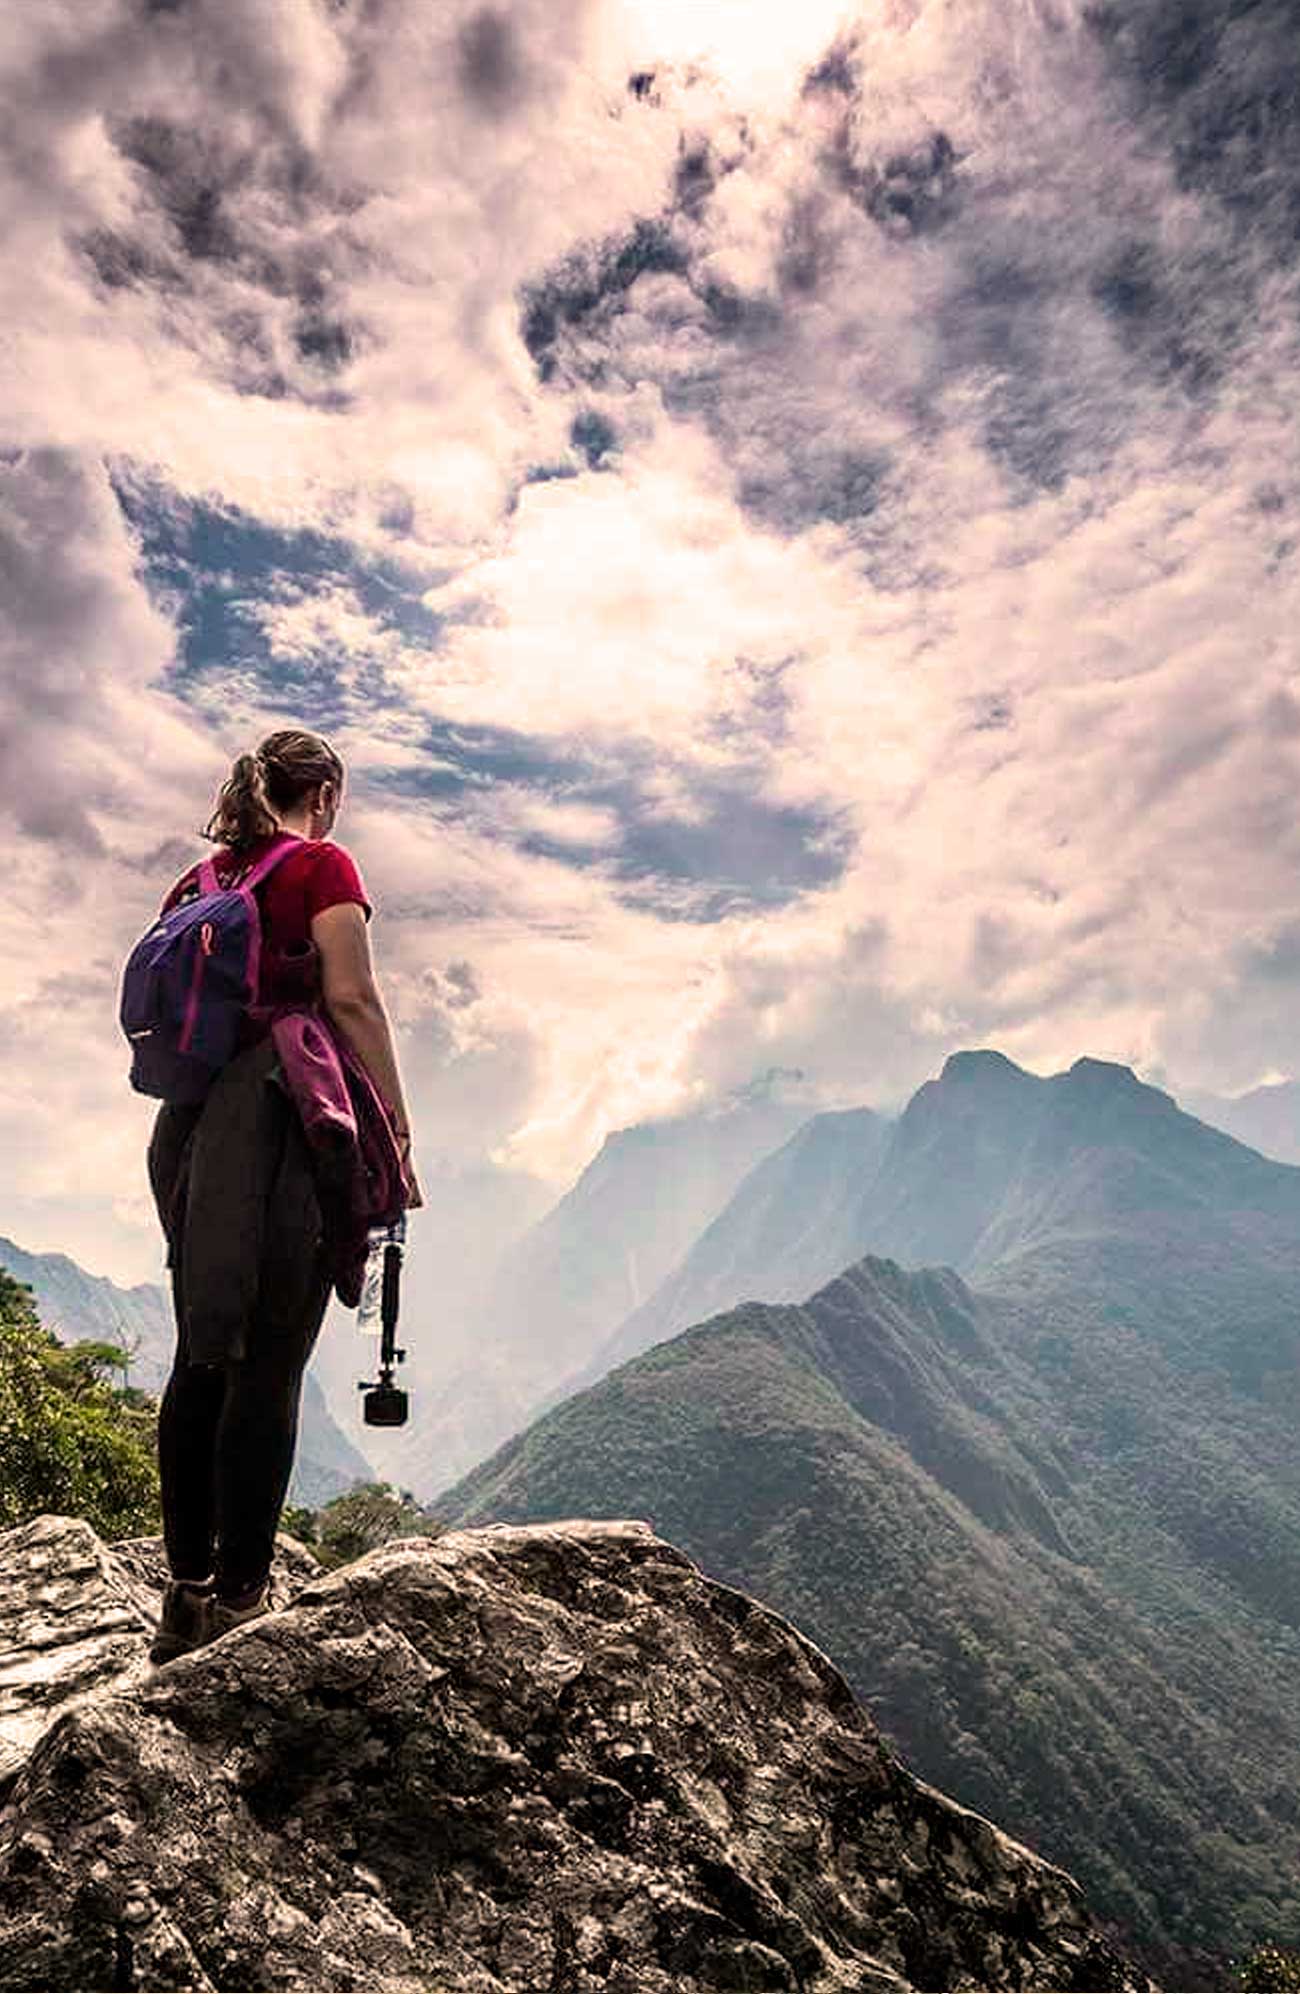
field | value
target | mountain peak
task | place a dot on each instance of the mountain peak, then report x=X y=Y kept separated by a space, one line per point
x=982 y=1065
x=1108 y=1076
x=1104 y=1072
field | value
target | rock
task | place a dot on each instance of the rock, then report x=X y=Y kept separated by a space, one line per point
x=76 y=1616
x=517 y=1757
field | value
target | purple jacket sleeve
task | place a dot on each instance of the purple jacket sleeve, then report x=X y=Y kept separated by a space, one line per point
x=359 y=1165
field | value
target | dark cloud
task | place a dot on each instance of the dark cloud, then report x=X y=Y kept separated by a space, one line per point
x=463 y=984
x=824 y=482
x=734 y=851
x=1184 y=332
x=594 y=435
x=908 y=193
x=1220 y=85
x=1040 y=267
x=256 y=213
x=1276 y=961
x=744 y=855
x=121 y=263
x=695 y=174
x=837 y=71
x=191 y=180
x=590 y=285
x=74 y=635
x=491 y=63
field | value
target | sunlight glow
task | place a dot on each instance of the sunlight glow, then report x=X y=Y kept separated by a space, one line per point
x=759 y=48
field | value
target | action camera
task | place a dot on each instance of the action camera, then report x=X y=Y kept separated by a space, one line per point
x=383 y=1405
x=385 y=1402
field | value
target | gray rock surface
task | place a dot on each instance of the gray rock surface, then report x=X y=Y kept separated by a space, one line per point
x=77 y=1616
x=554 y=1756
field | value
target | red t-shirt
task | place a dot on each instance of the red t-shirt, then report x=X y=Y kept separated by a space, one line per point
x=321 y=875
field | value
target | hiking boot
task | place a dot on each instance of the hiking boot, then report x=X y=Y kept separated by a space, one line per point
x=184 y=1621
x=228 y=1613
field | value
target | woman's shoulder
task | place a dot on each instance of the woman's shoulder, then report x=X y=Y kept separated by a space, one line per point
x=334 y=876
x=316 y=864
x=324 y=852
x=328 y=869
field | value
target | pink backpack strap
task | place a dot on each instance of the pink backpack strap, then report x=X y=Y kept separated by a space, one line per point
x=271 y=858
x=209 y=883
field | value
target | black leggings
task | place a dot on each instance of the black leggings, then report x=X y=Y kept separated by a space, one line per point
x=226 y=1439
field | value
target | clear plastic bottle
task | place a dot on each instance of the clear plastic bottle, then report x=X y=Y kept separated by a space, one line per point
x=370 y=1307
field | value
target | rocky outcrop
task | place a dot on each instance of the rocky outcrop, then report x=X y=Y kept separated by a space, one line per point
x=555 y=1756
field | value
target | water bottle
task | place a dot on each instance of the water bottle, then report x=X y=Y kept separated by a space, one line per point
x=370 y=1307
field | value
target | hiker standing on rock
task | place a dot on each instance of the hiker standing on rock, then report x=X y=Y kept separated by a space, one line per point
x=266 y=1187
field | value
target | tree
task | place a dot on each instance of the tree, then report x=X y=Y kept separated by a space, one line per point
x=365 y=1516
x=71 y=1442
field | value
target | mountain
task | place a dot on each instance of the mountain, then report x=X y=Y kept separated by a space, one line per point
x=794 y=1214
x=572 y=1277
x=991 y=1166
x=1268 y=1117
x=556 y=1757
x=77 y=1306
x=1056 y=1475
x=1016 y=1181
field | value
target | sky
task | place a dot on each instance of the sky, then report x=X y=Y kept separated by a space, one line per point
x=789 y=516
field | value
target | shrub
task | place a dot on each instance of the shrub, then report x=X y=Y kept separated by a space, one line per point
x=365 y=1516
x=70 y=1442
x=1269 y=1969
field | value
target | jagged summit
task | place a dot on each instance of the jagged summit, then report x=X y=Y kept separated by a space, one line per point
x=983 y=1064
x=888 y=1276
x=1109 y=1075
x=986 y=1081
x=554 y=1755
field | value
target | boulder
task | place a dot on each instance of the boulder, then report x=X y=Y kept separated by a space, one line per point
x=551 y=1756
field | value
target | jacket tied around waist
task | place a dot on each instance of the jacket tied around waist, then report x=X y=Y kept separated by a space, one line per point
x=276 y=1176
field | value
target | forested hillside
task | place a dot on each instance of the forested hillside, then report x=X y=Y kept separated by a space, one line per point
x=953 y=1495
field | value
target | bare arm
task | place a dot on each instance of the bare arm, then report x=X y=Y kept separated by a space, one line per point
x=351 y=997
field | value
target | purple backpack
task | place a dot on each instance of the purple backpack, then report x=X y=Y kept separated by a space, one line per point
x=189 y=981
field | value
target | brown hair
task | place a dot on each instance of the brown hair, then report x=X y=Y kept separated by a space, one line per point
x=276 y=778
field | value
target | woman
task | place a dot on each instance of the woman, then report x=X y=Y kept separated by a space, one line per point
x=227 y=1431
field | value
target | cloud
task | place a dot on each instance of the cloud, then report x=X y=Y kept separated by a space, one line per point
x=802 y=577
x=80 y=739
x=255 y=234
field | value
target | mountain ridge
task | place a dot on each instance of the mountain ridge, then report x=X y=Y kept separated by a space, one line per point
x=962 y=1178
x=1106 y=1399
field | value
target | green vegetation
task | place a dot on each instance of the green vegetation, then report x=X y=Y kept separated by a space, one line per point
x=1270 y=1970
x=365 y=1516
x=1054 y=1563
x=71 y=1443
x=74 y=1443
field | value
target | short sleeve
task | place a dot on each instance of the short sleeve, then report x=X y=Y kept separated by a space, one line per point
x=333 y=880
